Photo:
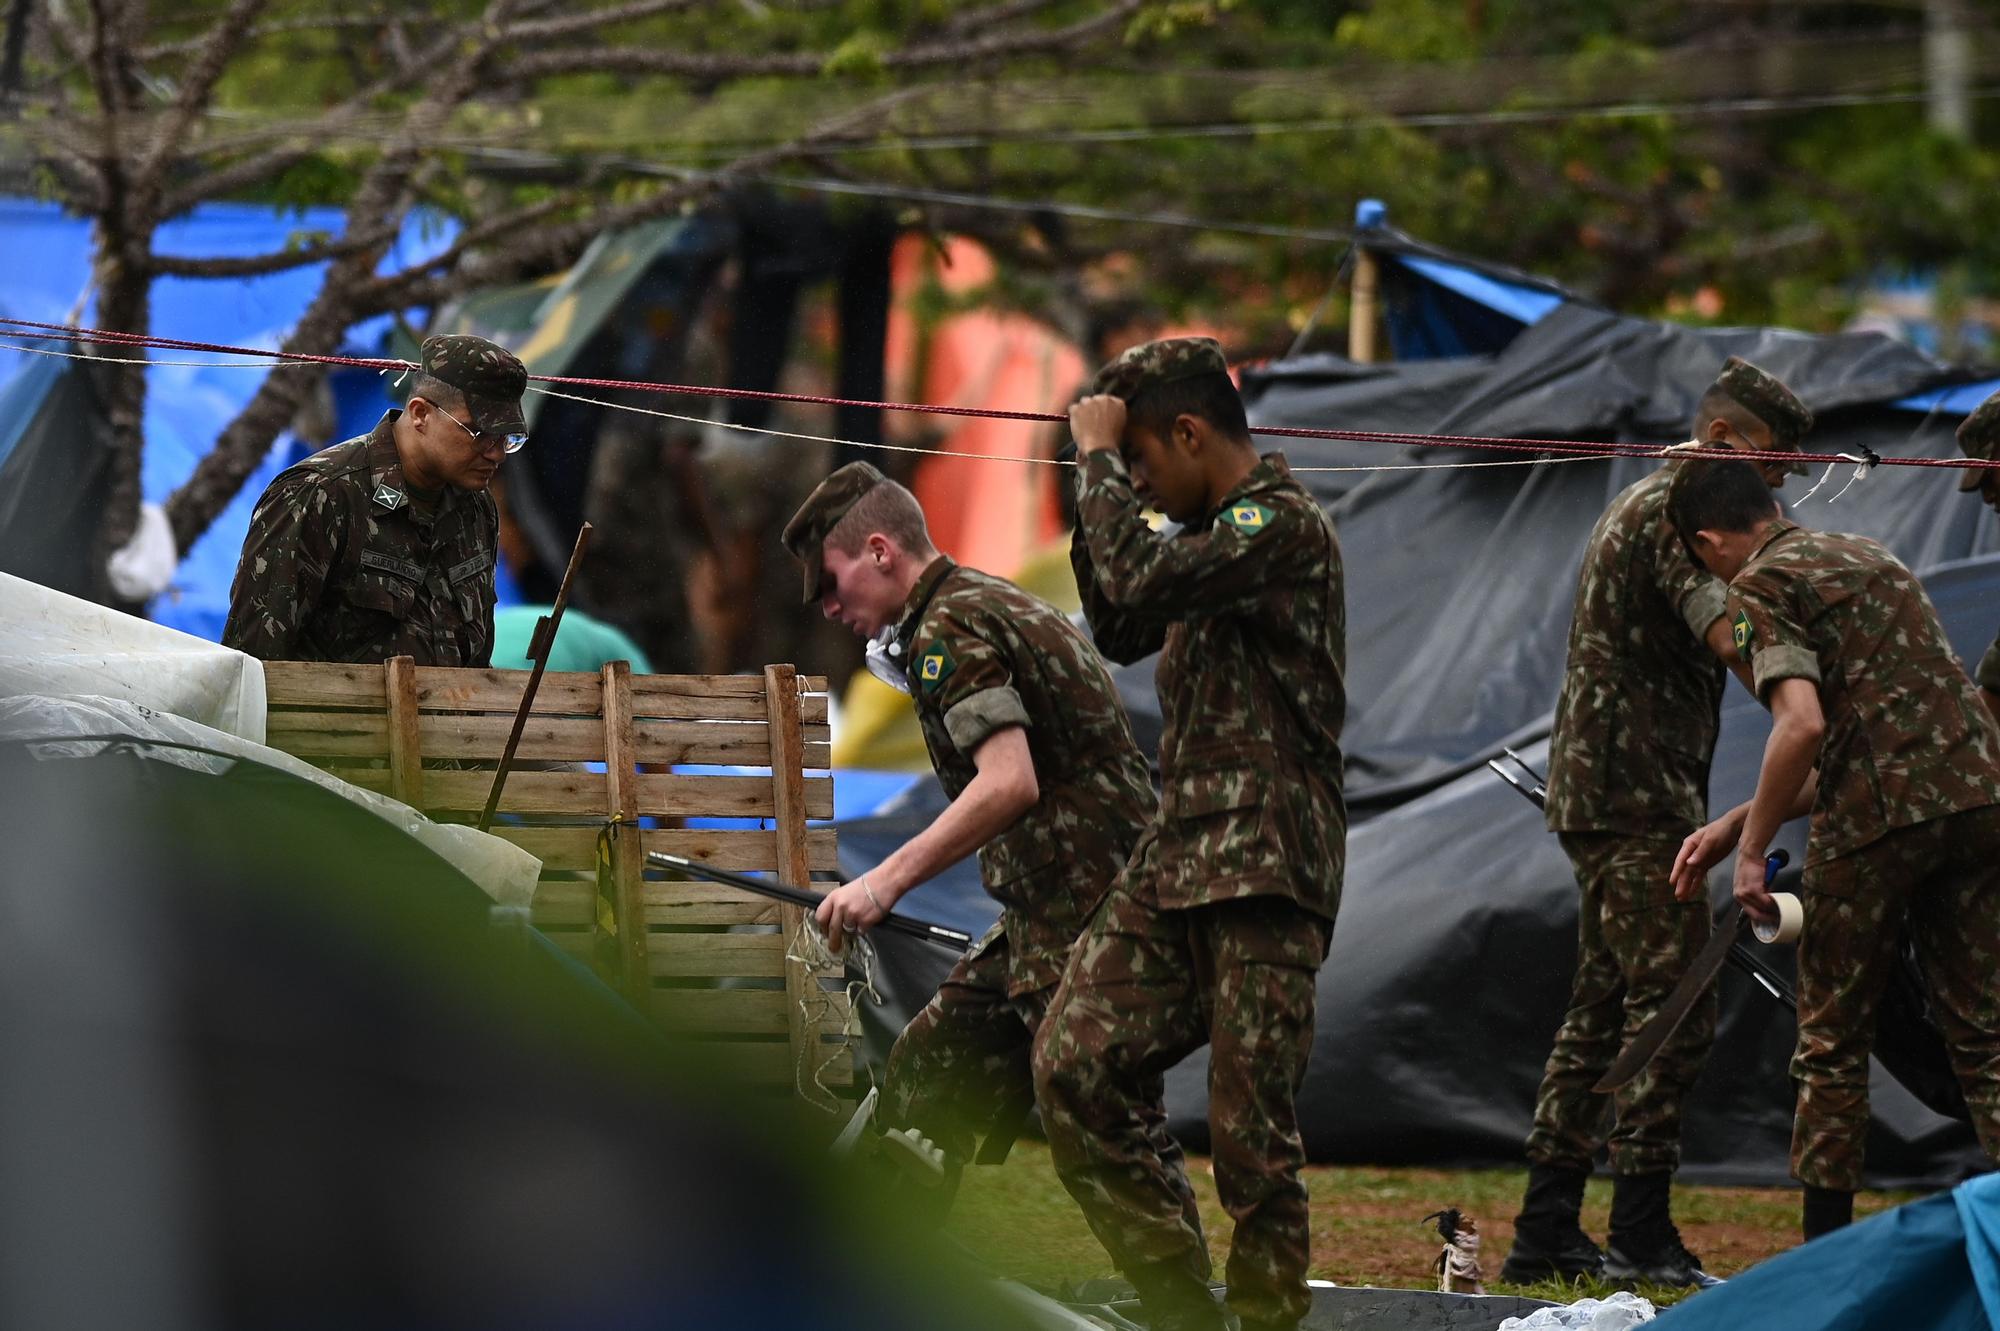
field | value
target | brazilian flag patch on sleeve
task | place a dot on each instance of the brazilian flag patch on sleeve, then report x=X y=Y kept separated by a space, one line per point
x=1739 y=629
x=935 y=666
x=1247 y=518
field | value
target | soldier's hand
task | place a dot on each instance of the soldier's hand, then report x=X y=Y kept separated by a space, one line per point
x=1702 y=851
x=1097 y=423
x=847 y=910
x=1751 y=892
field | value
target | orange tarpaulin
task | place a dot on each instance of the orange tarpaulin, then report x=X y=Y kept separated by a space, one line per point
x=991 y=515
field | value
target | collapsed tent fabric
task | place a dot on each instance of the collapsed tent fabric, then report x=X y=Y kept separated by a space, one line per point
x=55 y=466
x=1932 y=1265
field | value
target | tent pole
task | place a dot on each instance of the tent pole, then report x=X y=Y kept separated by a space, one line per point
x=1361 y=314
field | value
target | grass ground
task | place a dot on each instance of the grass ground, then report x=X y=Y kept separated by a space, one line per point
x=1367 y=1223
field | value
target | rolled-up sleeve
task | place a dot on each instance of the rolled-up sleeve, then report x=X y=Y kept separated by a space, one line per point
x=1768 y=635
x=974 y=720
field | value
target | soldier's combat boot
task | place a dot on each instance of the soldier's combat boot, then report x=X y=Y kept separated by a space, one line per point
x=1549 y=1242
x=1175 y=1298
x=1826 y=1209
x=1643 y=1246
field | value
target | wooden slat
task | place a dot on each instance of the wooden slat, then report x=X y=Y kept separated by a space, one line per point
x=746 y=850
x=722 y=1011
x=788 y=797
x=756 y=955
x=483 y=736
x=406 y=754
x=576 y=793
x=732 y=742
x=329 y=734
x=687 y=697
x=573 y=904
x=627 y=855
x=716 y=697
x=322 y=684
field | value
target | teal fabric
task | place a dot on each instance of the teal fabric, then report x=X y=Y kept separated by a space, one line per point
x=1920 y=1267
x=582 y=643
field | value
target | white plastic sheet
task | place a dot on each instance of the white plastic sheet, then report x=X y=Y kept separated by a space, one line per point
x=60 y=645
x=1619 y=1312
x=504 y=870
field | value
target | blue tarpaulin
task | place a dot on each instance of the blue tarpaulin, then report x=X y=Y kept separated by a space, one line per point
x=187 y=405
x=1928 y=1266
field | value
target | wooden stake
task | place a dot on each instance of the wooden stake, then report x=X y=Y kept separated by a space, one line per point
x=628 y=855
x=539 y=648
x=406 y=757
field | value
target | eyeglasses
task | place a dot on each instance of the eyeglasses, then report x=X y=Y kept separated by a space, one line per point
x=510 y=442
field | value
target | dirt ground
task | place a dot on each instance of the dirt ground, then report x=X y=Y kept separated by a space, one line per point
x=1368 y=1224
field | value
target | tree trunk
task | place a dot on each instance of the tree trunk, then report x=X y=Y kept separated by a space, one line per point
x=124 y=304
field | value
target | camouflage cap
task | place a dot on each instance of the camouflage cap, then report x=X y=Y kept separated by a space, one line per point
x=489 y=375
x=1979 y=437
x=1161 y=362
x=805 y=534
x=1771 y=402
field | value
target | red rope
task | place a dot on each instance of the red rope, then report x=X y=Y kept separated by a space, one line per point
x=1503 y=443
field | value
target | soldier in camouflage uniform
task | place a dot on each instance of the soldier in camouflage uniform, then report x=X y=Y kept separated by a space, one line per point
x=1879 y=733
x=1029 y=740
x=384 y=545
x=1215 y=932
x=1979 y=436
x=1635 y=729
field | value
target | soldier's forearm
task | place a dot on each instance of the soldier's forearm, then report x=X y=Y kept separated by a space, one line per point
x=994 y=800
x=1786 y=776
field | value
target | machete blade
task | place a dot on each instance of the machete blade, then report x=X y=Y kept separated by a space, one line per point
x=1634 y=1057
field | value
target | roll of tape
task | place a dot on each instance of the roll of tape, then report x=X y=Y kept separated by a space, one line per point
x=1791 y=919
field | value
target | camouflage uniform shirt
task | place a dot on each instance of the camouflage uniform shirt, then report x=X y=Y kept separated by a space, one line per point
x=984 y=655
x=1247 y=609
x=1907 y=738
x=1641 y=695
x=343 y=563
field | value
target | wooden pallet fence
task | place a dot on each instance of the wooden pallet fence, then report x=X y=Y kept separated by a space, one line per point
x=705 y=960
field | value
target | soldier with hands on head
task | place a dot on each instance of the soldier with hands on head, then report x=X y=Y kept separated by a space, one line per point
x=1030 y=742
x=1634 y=733
x=1877 y=731
x=384 y=545
x=1215 y=932
x=1979 y=436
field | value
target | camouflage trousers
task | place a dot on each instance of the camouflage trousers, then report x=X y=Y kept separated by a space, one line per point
x=966 y=1055
x=1145 y=987
x=1940 y=881
x=1634 y=942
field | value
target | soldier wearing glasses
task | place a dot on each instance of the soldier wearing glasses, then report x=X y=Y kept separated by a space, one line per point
x=384 y=545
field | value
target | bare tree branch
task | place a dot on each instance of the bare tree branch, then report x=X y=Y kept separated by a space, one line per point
x=279 y=261
x=538 y=247
x=274 y=28
x=968 y=23
x=197 y=86
x=929 y=55
x=543 y=29
x=262 y=167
